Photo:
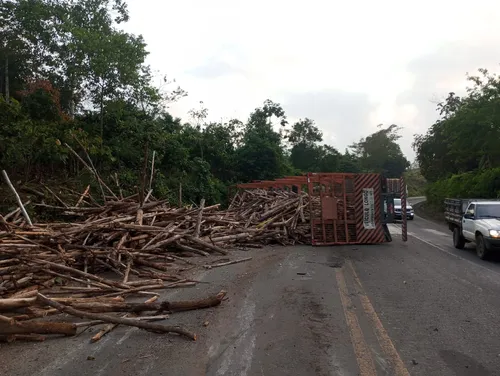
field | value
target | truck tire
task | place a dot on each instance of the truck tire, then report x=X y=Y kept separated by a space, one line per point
x=481 y=249
x=458 y=239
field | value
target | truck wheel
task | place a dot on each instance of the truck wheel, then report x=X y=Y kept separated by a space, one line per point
x=458 y=239
x=481 y=249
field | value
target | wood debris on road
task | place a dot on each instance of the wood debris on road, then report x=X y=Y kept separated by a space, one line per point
x=101 y=254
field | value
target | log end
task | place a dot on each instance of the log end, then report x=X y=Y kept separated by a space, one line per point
x=221 y=295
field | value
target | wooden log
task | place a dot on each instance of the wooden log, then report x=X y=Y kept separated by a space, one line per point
x=7 y=305
x=18 y=199
x=188 y=305
x=83 y=274
x=140 y=217
x=23 y=337
x=7 y=320
x=140 y=318
x=156 y=265
x=101 y=286
x=164 y=242
x=36 y=313
x=184 y=247
x=165 y=306
x=119 y=320
x=127 y=270
x=136 y=290
x=83 y=196
x=181 y=259
x=38 y=327
x=198 y=221
x=15 y=211
x=226 y=238
x=28 y=292
x=207 y=245
x=227 y=263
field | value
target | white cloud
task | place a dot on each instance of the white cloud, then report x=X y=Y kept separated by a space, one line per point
x=395 y=55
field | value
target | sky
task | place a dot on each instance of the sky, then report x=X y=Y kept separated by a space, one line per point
x=348 y=65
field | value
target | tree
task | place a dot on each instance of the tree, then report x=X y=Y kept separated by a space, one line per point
x=379 y=152
x=70 y=74
x=306 y=154
x=465 y=137
x=261 y=155
x=15 y=52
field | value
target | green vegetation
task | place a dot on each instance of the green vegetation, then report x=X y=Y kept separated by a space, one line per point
x=71 y=78
x=477 y=184
x=415 y=182
x=459 y=155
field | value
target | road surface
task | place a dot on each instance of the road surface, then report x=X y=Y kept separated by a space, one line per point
x=415 y=308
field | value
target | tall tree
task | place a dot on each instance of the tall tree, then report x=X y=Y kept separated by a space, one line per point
x=380 y=152
x=261 y=155
x=306 y=154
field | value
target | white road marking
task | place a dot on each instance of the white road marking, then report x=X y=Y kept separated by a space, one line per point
x=452 y=254
x=126 y=335
x=241 y=359
x=394 y=229
x=60 y=361
x=436 y=232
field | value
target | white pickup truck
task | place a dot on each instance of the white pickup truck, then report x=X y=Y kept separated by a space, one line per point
x=474 y=221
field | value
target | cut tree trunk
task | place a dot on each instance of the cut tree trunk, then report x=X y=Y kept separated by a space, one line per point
x=7 y=305
x=207 y=245
x=200 y=216
x=119 y=320
x=38 y=327
x=165 y=306
x=18 y=199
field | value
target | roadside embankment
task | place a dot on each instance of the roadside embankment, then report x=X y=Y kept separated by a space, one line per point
x=425 y=210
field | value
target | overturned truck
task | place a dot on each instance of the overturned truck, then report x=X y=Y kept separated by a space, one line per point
x=344 y=208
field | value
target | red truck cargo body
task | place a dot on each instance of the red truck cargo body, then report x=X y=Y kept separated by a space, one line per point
x=345 y=208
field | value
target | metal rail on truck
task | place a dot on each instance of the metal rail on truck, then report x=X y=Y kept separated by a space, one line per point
x=454 y=208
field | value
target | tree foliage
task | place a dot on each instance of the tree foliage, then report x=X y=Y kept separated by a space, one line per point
x=466 y=136
x=381 y=153
x=70 y=75
x=459 y=154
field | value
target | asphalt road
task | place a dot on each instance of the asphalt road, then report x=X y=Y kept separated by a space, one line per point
x=415 y=308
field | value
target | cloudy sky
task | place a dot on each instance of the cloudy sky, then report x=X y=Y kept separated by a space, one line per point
x=349 y=65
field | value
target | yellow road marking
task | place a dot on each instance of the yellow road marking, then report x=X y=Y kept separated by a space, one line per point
x=361 y=349
x=382 y=336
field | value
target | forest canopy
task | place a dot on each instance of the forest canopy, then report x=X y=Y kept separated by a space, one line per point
x=71 y=78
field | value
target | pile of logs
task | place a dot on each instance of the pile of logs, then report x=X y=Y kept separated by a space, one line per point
x=87 y=265
x=272 y=216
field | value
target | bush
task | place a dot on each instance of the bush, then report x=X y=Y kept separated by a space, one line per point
x=474 y=184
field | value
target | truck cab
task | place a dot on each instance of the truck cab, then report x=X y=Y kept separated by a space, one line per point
x=480 y=224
